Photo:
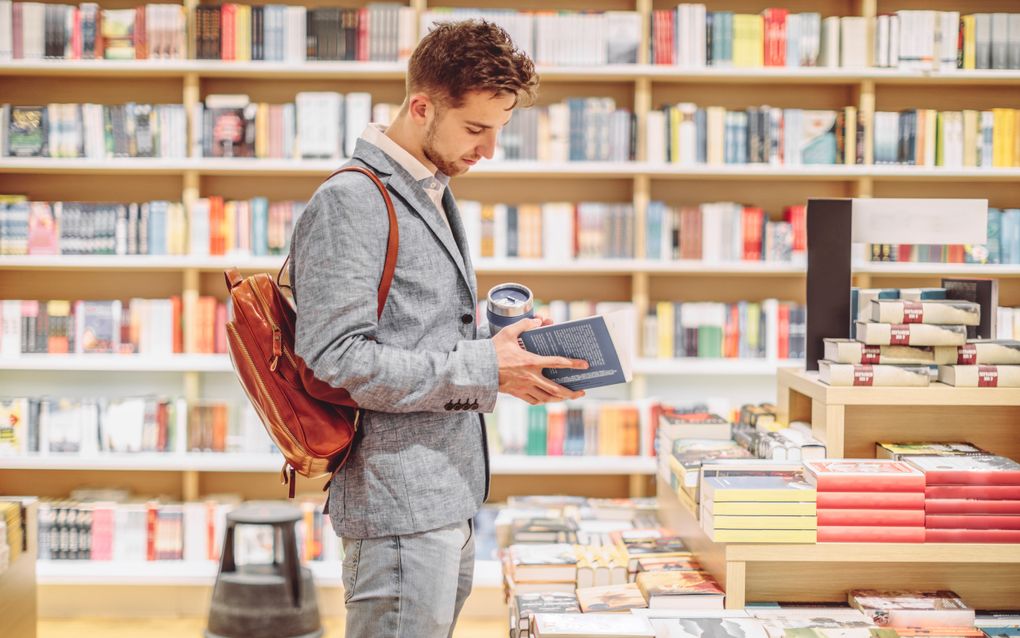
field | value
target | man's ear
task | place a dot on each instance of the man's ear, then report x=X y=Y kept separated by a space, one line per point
x=419 y=108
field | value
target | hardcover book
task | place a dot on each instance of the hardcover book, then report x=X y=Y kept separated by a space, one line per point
x=938 y=312
x=986 y=469
x=910 y=334
x=864 y=475
x=992 y=352
x=899 y=451
x=591 y=626
x=847 y=351
x=680 y=590
x=866 y=375
x=611 y=598
x=543 y=563
x=981 y=376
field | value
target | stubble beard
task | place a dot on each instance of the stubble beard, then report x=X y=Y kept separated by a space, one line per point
x=428 y=149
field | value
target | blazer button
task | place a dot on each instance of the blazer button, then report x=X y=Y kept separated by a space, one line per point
x=466 y=318
x=449 y=405
x=458 y=405
x=474 y=406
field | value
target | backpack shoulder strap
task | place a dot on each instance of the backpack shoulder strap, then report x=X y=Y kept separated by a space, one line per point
x=393 y=242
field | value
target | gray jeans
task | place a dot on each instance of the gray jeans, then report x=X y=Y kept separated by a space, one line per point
x=412 y=585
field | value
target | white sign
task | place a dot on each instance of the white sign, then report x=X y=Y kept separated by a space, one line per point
x=920 y=221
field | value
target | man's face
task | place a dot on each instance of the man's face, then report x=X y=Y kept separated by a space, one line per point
x=457 y=138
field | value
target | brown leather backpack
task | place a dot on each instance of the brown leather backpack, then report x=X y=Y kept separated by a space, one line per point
x=313 y=423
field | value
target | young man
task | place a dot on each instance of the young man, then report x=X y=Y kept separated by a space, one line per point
x=423 y=374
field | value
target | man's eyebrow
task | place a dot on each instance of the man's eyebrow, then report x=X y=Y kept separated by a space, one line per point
x=480 y=125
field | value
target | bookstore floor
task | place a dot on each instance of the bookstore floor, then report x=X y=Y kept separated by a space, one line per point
x=192 y=627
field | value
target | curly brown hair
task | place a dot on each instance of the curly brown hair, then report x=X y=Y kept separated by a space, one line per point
x=456 y=58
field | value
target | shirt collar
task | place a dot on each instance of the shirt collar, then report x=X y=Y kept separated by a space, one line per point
x=375 y=134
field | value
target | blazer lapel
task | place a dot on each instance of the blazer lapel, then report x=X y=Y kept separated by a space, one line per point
x=460 y=236
x=401 y=182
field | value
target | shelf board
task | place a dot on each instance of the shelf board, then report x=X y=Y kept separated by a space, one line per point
x=238 y=462
x=397 y=71
x=937 y=394
x=712 y=367
x=915 y=269
x=193 y=573
x=117 y=363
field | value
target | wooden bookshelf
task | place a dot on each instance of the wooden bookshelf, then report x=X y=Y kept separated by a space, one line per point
x=986 y=576
x=641 y=87
x=18 y=583
x=852 y=420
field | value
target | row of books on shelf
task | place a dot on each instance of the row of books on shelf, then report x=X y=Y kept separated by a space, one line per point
x=94 y=131
x=557 y=231
x=113 y=525
x=769 y=329
x=89 y=426
x=327 y=125
x=686 y=134
x=1002 y=247
x=211 y=226
x=153 y=327
x=690 y=37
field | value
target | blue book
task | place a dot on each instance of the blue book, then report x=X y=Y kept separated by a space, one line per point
x=260 y=226
x=994 y=244
x=1010 y=236
x=604 y=341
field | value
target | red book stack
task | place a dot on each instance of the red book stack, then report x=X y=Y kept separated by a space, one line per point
x=868 y=500
x=970 y=499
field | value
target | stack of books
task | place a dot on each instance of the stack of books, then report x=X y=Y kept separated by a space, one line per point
x=984 y=364
x=685 y=461
x=896 y=333
x=675 y=426
x=868 y=500
x=970 y=498
x=752 y=501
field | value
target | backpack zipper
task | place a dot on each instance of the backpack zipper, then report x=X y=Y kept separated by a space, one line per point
x=278 y=348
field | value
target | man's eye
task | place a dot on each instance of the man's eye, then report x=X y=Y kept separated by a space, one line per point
x=474 y=132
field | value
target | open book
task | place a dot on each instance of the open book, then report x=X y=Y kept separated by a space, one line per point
x=606 y=342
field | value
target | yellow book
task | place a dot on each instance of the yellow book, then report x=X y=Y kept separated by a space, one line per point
x=666 y=325
x=488 y=231
x=748 y=40
x=262 y=130
x=758 y=508
x=719 y=522
x=999 y=139
x=763 y=536
x=230 y=226
x=1015 y=132
x=970 y=138
x=968 y=42
x=940 y=139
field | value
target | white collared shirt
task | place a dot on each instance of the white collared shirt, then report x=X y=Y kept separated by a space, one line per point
x=434 y=183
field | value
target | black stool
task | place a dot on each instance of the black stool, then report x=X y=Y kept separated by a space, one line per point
x=264 y=601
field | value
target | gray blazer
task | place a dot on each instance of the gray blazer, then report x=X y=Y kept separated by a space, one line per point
x=421 y=372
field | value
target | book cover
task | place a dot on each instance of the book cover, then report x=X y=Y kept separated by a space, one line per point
x=604 y=341
x=903 y=608
x=936 y=535
x=980 y=376
x=757 y=486
x=867 y=375
x=649 y=542
x=591 y=626
x=899 y=451
x=680 y=590
x=704 y=625
x=667 y=564
x=98 y=327
x=759 y=508
x=710 y=522
x=855 y=352
x=986 y=469
x=525 y=606
x=27 y=132
x=544 y=530
x=696 y=425
x=555 y=562
x=611 y=598
x=912 y=334
x=864 y=475
x=688 y=455
x=937 y=312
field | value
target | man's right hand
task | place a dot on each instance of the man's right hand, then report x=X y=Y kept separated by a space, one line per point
x=520 y=371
